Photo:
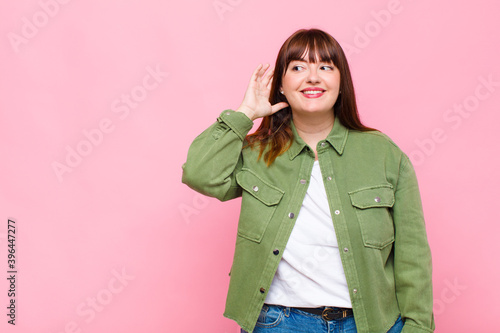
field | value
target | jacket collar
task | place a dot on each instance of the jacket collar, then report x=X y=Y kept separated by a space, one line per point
x=337 y=138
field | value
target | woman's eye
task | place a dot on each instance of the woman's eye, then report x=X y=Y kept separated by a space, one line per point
x=296 y=67
x=329 y=68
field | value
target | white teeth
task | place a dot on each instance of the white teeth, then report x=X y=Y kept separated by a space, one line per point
x=312 y=92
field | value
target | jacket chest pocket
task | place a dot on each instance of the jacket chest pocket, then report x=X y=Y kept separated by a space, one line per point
x=259 y=201
x=372 y=206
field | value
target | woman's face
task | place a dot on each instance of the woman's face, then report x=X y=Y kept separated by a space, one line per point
x=311 y=87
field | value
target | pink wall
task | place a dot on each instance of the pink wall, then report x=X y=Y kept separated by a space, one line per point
x=113 y=242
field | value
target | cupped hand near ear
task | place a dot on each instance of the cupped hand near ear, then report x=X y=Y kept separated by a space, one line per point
x=256 y=101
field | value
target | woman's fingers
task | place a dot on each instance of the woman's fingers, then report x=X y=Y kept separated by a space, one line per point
x=264 y=68
x=278 y=106
x=256 y=101
x=268 y=78
x=255 y=73
x=262 y=72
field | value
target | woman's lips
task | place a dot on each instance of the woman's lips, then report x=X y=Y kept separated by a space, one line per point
x=313 y=93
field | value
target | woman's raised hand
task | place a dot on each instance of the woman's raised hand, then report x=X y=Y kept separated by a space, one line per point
x=256 y=101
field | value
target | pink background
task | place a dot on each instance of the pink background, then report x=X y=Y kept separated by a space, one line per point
x=121 y=208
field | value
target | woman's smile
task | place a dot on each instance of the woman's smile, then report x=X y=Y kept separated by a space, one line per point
x=313 y=92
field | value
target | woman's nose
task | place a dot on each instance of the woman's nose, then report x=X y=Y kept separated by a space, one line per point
x=312 y=75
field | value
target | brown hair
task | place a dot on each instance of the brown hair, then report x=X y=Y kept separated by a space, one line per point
x=275 y=130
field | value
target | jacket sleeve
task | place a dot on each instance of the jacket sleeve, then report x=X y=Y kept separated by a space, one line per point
x=215 y=156
x=412 y=256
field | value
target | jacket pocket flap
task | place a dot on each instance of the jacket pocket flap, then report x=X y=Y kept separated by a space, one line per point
x=258 y=188
x=374 y=196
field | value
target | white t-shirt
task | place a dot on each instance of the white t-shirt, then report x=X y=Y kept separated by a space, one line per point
x=310 y=273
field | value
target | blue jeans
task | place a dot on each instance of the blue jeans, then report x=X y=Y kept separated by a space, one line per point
x=281 y=319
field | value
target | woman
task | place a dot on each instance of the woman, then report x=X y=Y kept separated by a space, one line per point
x=331 y=235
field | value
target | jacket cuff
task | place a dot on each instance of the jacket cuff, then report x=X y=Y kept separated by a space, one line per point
x=237 y=121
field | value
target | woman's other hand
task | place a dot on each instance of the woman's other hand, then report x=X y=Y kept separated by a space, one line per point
x=256 y=101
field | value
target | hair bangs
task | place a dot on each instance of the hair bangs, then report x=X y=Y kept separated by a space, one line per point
x=312 y=44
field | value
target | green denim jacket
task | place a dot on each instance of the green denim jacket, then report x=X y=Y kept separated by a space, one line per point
x=376 y=213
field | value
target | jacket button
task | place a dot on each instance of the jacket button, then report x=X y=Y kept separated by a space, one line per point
x=276 y=252
x=323 y=144
x=337 y=212
x=329 y=178
x=354 y=291
x=291 y=215
x=303 y=181
x=377 y=199
x=228 y=113
x=346 y=249
x=262 y=290
x=255 y=188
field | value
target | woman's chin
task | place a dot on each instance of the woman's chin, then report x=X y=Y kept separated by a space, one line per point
x=312 y=111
